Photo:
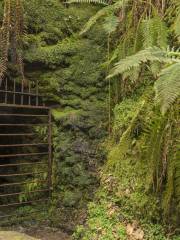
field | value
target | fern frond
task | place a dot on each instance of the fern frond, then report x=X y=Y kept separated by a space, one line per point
x=111 y=23
x=152 y=54
x=132 y=74
x=161 y=32
x=4 y=40
x=176 y=25
x=148 y=33
x=167 y=86
x=108 y=10
x=10 y=36
x=100 y=2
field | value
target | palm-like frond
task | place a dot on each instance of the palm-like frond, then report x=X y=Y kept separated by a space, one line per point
x=10 y=36
x=168 y=86
x=4 y=39
x=108 y=10
x=176 y=25
x=152 y=54
x=154 y=32
x=101 y=2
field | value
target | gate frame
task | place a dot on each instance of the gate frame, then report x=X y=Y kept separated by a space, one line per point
x=30 y=94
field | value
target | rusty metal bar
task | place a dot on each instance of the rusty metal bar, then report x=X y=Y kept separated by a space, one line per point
x=21 y=183
x=22 y=203
x=23 y=154
x=6 y=92
x=20 y=215
x=37 y=93
x=15 y=215
x=23 y=124
x=21 y=174
x=22 y=164
x=23 y=115
x=24 y=106
x=14 y=90
x=17 y=134
x=19 y=193
x=50 y=153
x=20 y=93
x=29 y=96
x=24 y=145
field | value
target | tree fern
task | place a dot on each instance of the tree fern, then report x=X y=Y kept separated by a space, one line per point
x=10 y=36
x=106 y=11
x=4 y=39
x=110 y=24
x=101 y=2
x=168 y=86
x=152 y=54
x=172 y=189
x=155 y=134
x=155 y=32
x=176 y=25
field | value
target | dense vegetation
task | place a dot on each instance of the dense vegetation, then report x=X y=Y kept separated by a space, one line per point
x=111 y=72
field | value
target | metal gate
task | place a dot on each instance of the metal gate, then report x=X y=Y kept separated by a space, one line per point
x=25 y=147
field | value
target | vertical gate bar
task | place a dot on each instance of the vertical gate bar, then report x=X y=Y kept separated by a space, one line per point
x=6 y=88
x=29 y=90
x=14 y=91
x=22 y=91
x=49 y=152
x=37 y=93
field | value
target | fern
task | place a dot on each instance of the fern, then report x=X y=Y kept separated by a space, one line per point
x=152 y=54
x=111 y=23
x=155 y=138
x=172 y=191
x=154 y=32
x=10 y=37
x=101 y=2
x=106 y=11
x=168 y=86
x=119 y=154
x=4 y=39
x=176 y=25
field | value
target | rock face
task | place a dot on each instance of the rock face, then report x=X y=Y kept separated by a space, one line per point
x=15 y=236
x=70 y=74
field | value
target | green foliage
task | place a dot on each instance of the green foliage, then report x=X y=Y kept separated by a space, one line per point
x=140 y=181
x=176 y=26
x=103 y=223
x=106 y=11
x=168 y=86
x=152 y=54
x=101 y=2
x=143 y=147
x=111 y=23
x=123 y=114
x=154 y=32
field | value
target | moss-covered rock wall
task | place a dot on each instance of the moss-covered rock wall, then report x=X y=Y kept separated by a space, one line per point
x=68 y=68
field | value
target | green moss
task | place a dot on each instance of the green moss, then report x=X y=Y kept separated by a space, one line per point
x=103 y=224
x=135 y=155
x=59 y=114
